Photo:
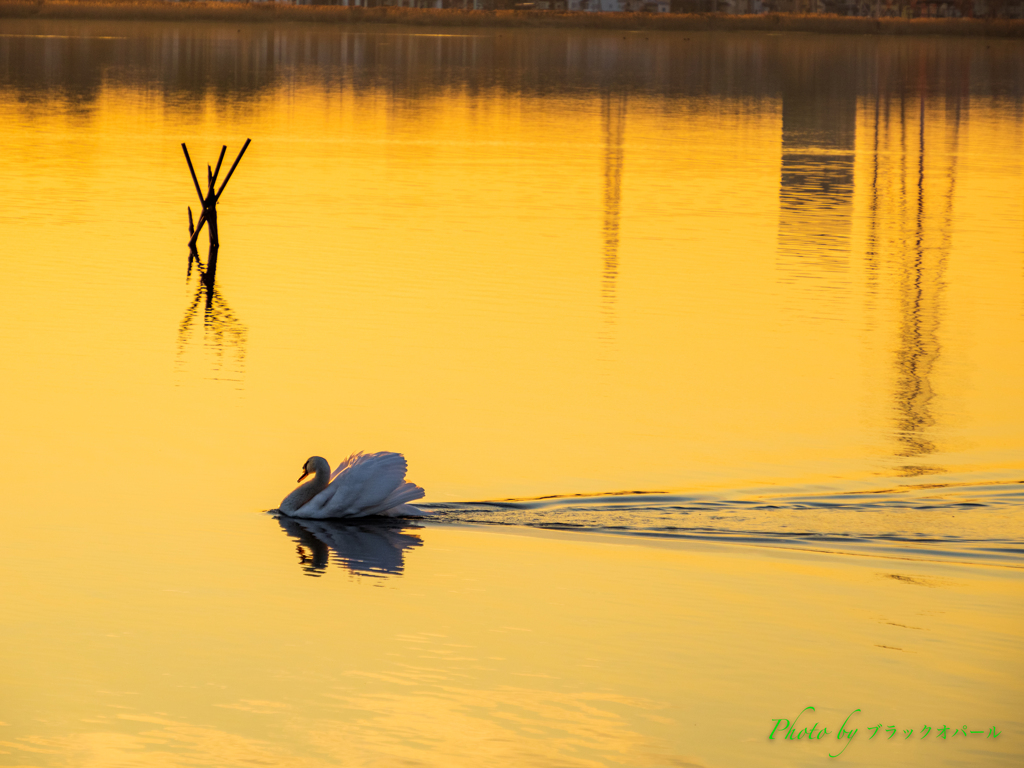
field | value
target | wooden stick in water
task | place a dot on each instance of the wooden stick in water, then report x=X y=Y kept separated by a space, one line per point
x=233 y=166
x=199 y=227
x=193 y=172
x=191 y=229
x=220 y=160
x=211 y=222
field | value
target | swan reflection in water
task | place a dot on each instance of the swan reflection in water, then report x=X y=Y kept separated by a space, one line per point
x=369 y=548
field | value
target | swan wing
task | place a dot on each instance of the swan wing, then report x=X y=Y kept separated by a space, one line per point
x=353 y=459
x=395 y=505
x=365 y=484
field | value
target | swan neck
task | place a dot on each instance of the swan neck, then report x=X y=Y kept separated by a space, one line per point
x=309 y=489
x=322 y=476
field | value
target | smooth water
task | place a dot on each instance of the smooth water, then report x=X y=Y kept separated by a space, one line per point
x=756 y=289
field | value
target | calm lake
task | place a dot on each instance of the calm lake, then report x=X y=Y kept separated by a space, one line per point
x=745 y=311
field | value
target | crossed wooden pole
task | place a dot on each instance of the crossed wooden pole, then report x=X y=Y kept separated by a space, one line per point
x=208 y=202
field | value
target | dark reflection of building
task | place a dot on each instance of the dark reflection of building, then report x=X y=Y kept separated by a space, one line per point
x=907 y=112
x=819 y=114
x=613 y=108
x=189 y=63
x=367 y=548
x=223 y=333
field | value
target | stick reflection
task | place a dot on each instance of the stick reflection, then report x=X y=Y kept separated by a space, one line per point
x=375 y=548
x=222 y=330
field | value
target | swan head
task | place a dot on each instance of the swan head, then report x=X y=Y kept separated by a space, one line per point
x=314 y=465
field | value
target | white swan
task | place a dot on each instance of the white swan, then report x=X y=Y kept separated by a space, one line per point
x=364 y=484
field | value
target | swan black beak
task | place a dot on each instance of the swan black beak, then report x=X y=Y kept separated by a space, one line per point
x=305 y=473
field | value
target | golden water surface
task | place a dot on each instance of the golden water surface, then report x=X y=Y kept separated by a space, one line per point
x=538 y=264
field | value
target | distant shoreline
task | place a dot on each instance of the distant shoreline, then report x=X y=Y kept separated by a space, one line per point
x=155 y=10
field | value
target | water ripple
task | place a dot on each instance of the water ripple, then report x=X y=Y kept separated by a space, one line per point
x=909 y=521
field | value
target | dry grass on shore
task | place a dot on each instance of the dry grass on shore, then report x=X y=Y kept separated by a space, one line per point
x=155 y=10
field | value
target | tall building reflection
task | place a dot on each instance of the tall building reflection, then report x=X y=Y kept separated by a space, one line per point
x=613 y=112
x=831 y=109
x=913 y=180
x=906 y=181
